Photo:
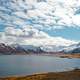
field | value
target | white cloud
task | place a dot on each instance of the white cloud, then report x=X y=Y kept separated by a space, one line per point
x=44 y=12
x=76 y=20
x=50 y=41
x=11 y=31
x=31 y=36
x=26 y=32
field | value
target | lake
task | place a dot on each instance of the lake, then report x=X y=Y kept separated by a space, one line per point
x=11 y=65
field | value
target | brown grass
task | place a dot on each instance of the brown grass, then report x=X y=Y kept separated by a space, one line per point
x=69 y=75
x=70 y=55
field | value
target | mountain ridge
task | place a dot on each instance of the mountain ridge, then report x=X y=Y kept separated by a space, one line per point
x=27 y=49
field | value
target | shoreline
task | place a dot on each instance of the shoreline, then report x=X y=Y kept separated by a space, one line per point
x=70 y=56
x=66 y=75
x=54 y=55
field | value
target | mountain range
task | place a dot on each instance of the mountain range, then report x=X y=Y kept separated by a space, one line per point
x=27 y=49
x=18 y=49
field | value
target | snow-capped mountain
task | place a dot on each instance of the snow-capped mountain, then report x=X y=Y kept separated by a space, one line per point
x=30 y=48
x=52 y=48
x=26 y=49
x=5 y=49
x=19 y=49
x=74 y=48
x=40 y=48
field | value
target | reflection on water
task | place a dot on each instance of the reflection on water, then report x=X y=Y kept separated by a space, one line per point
x=30 y=64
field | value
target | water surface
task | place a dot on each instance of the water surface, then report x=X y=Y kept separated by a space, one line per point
x=11 y=65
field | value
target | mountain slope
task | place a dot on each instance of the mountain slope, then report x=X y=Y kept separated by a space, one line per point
x=75 y=48
x=27 y=49
x=19 y=49
x=7 y=49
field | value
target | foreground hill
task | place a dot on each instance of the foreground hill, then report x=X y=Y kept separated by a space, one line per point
x=69 y=75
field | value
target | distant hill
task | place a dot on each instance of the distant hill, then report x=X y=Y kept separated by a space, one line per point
x=18 y=49
x=6 y=49
x=75 y=48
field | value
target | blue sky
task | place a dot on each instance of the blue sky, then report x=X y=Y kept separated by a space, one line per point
x=40 y=19
x=68 y=33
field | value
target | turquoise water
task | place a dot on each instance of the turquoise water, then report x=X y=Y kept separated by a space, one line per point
x=11 y=65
